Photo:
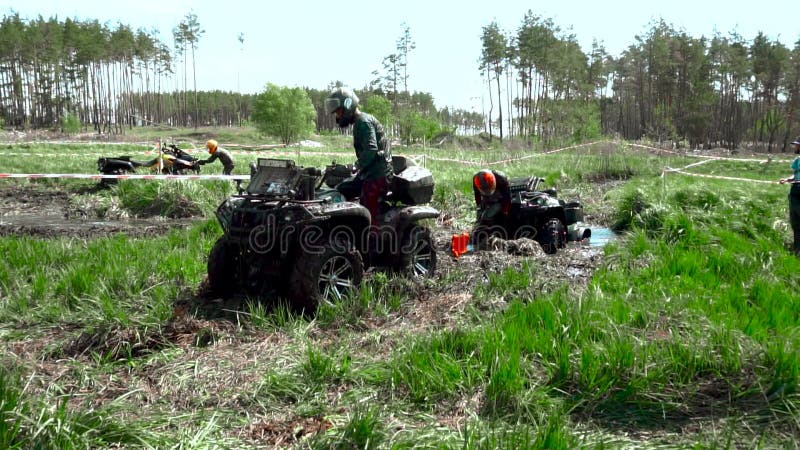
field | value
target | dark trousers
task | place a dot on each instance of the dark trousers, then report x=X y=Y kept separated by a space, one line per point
x=794 y=216
x=227 y=170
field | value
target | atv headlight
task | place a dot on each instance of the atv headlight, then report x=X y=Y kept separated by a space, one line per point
x=292 y=215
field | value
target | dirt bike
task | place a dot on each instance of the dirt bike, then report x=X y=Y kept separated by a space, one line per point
x=173 y=160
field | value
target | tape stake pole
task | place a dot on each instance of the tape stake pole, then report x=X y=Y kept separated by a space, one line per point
x=123 y=177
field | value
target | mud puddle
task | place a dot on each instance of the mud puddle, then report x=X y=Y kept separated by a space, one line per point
x=576 y=262
x=601 y=237
x=42 y=211
x=54 y=226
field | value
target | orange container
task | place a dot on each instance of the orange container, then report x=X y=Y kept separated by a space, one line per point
x=454 y=245
x=459 y=243
x=464 y=242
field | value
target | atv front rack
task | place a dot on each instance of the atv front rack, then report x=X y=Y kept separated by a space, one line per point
x=281 y=179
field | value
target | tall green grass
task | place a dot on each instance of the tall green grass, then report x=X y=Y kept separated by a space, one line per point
x=172 y=198
x=687 y=319
x=118 y=280
x=28 y=423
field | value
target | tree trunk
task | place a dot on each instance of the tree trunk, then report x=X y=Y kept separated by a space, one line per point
x=499 y=104
x=491 y=103
x=194 y=76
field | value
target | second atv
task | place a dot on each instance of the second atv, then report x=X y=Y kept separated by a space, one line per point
x=534 y=213
x=291 y=231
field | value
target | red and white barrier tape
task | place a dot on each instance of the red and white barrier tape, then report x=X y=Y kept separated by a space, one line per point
x=716 y=177
x=646 y=147
x=549 y=152
x=144 y=144
x=123 y=177
x=456 y=161
x=151 y=153
x=12 y=142
x=417 y=157
x=689 y=155
x=505 y=161
x=698 y=163
x=420 y=157
x=265 y=146
x=311 y=153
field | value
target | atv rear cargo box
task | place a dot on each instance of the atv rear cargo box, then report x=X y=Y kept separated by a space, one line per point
x=413 y=185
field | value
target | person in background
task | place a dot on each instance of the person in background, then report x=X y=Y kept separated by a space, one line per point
x=373 y=153
x=219 y=153
x=794 y=197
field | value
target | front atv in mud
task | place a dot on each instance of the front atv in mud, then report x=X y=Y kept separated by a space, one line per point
x=534 y=214
x=291 y=232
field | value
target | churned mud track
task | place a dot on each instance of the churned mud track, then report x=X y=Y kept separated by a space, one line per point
x=51 y=211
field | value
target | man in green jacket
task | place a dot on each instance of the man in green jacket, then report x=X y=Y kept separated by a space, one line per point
x=794 y=197
x=373 y=153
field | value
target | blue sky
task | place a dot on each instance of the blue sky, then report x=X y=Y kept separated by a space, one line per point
x=313 y=43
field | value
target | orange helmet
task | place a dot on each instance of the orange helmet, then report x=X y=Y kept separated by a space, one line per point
x=485 y=182
x=211 y=145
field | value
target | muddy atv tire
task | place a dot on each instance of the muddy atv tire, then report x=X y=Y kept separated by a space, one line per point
x=553 y=236
x=222 y=267
x=330 y=275
x=417 y=258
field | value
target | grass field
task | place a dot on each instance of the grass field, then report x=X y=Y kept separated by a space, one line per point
x=686 y=335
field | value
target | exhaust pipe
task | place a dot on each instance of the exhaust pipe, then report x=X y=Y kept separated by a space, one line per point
x=579 y=234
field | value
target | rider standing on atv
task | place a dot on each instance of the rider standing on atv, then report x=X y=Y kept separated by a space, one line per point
x=373 y=153
x=492 y=197
x=220 y=153
x=794 y=198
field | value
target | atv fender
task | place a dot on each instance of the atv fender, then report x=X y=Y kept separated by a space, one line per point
x=347 y=221
x=402 y=218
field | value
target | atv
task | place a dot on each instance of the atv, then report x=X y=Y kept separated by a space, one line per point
x=173 y=161
x=299 y=232
x=535 y=214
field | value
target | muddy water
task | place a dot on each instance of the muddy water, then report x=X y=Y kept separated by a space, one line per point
x=601 y=237
x=49 y=212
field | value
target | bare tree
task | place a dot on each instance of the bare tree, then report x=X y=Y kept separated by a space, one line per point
x=191 y=32
x=404 y=47
x=495 y=52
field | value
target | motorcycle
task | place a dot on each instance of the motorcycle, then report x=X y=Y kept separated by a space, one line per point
x=172 y=160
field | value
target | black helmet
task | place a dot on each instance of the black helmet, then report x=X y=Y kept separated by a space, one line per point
x=345 y=99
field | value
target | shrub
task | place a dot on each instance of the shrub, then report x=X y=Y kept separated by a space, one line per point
x=70 y=123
